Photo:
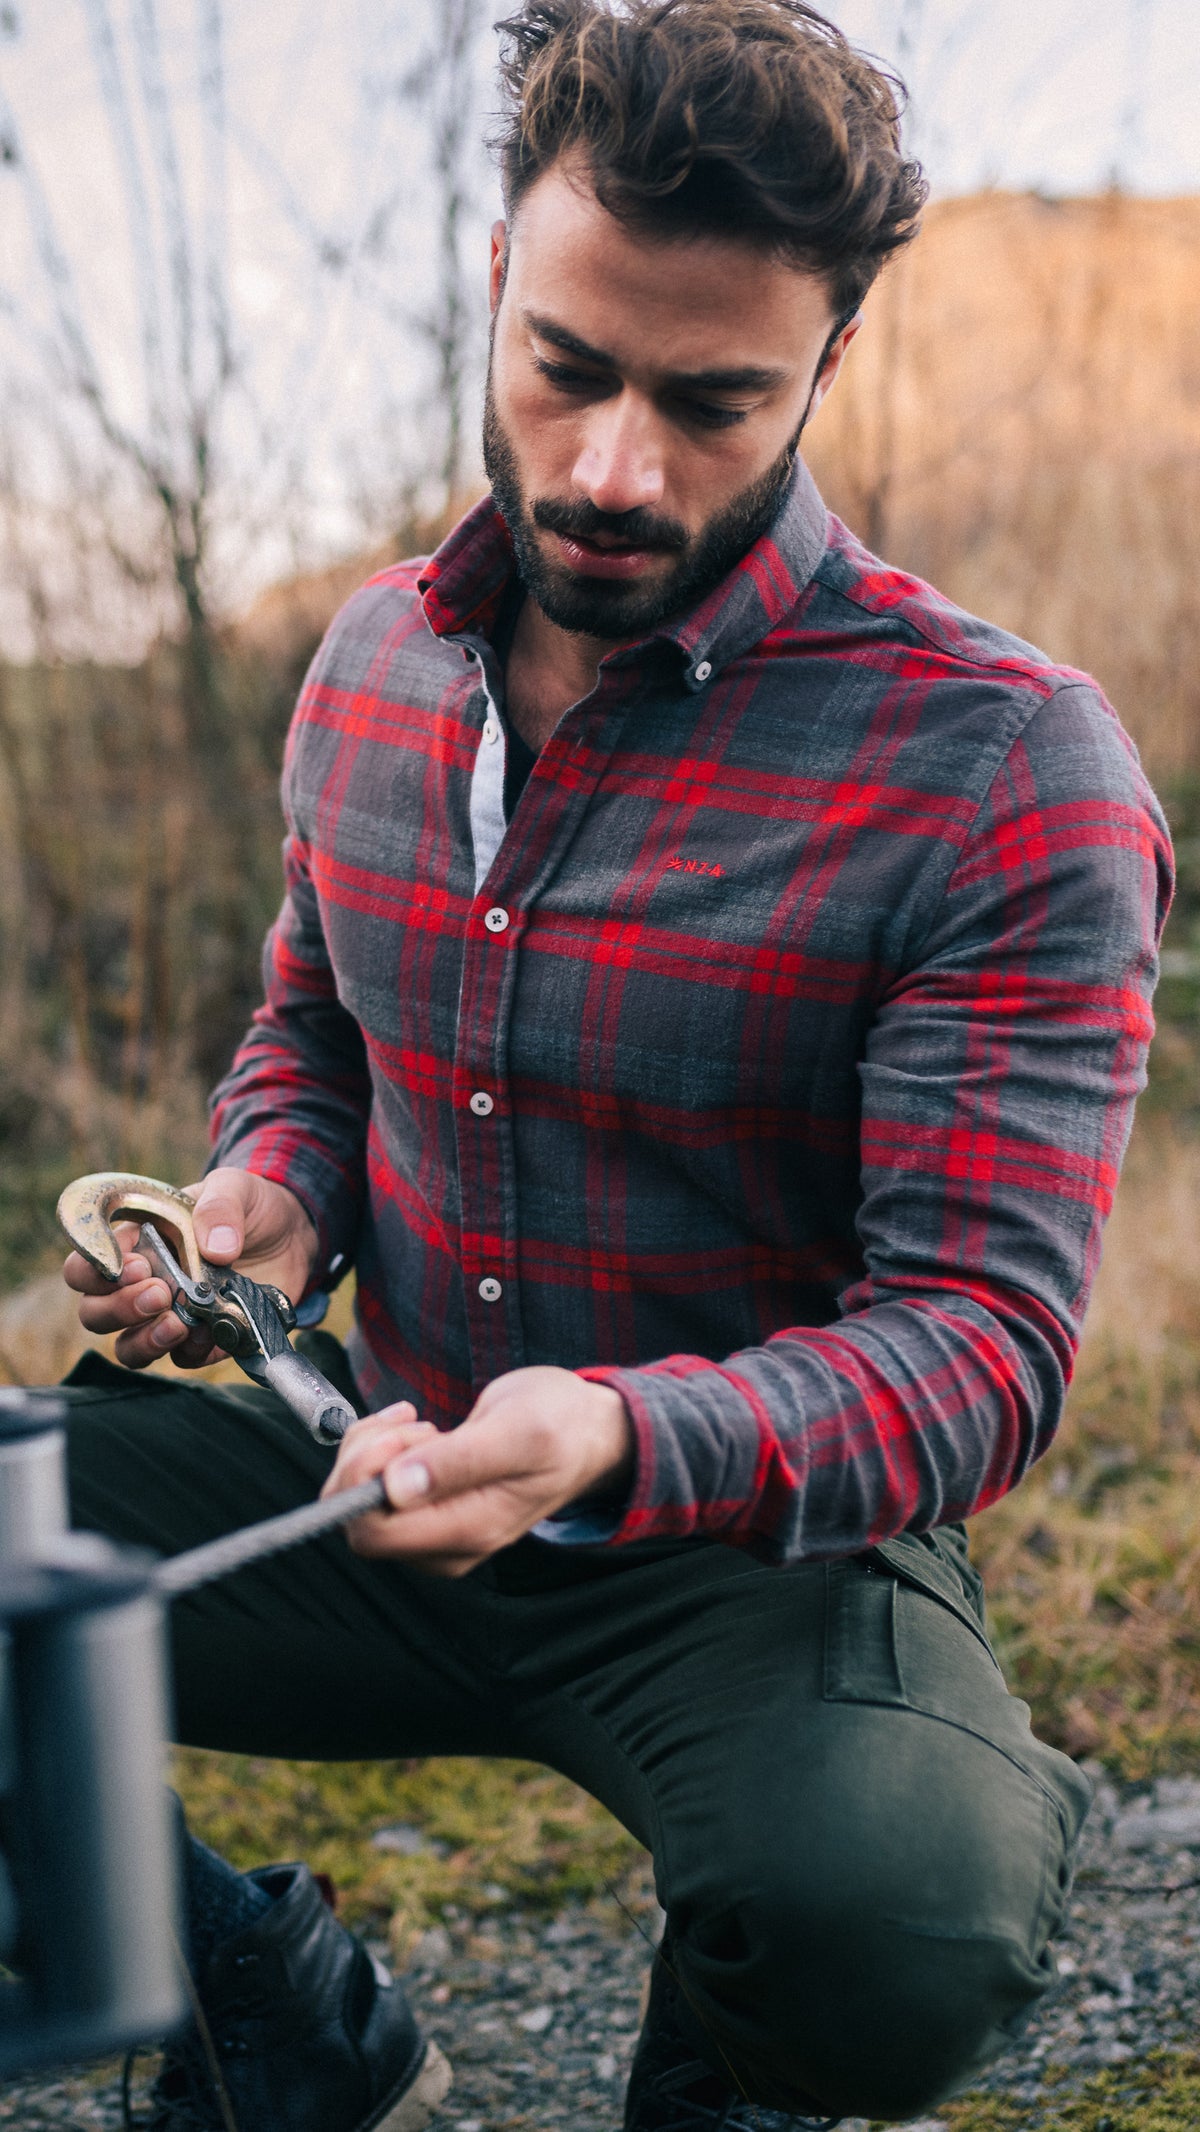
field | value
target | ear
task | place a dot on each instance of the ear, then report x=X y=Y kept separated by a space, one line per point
x=835 y=356
x=499 y=260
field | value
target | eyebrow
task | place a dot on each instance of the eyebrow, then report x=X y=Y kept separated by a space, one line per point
x=747 y=377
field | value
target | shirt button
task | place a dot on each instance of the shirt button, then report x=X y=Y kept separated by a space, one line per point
x=482 y=1104
x=496 y=919
x=704 y=670
x=490 y=1289
x=491 y=730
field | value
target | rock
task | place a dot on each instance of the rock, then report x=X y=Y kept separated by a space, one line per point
x=406 y=1842
x=1141 y=1831
x=536 y=2021
x=432 y=1951
x=1178 y=1791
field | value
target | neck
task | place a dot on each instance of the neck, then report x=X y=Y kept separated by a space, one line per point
x=548 y=670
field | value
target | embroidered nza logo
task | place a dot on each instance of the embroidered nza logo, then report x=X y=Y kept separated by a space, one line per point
x=694 y=866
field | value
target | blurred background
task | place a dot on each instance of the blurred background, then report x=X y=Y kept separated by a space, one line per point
x=243 y=249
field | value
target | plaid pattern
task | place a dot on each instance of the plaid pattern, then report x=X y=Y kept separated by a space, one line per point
x=803 y=1004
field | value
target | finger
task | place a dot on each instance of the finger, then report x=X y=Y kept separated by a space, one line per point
x=197 y=1351
x=219 y=1217
x=149 y=1343
x=122 y=1308
x=368 y=1445
x=187 y=1348
x=82 y=1276
x=477 y=1455
x=466 y=1493
x=464 y=1529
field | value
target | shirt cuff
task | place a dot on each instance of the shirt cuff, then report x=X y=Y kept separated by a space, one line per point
x=702 y=1438
x=581 y=1529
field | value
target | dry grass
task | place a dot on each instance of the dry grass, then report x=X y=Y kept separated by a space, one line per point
x=1093 y=1564
x=1020 y=423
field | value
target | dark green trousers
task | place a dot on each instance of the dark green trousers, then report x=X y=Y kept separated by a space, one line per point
x=862 y=1850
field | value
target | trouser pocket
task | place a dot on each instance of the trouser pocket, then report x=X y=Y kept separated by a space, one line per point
x=862 y=1657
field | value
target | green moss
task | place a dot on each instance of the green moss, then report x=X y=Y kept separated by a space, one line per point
x=1159 y=2094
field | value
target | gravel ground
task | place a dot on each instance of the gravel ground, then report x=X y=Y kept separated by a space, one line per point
x=539 y=2015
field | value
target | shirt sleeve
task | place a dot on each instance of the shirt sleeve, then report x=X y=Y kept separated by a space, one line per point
x=294 y=1105
x=998 y=1085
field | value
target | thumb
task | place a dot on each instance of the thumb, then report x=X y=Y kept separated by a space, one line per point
x=220 y=1216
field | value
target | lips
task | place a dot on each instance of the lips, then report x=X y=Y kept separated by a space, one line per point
x=588 y=558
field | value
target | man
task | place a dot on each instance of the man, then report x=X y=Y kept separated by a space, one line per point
x=707 y=1006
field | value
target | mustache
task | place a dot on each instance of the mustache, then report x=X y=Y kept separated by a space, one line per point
x=583 y=521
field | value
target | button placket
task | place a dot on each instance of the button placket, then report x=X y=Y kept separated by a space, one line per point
x=488 y=1202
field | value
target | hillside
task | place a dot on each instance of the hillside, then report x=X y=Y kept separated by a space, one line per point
x=1020 y=422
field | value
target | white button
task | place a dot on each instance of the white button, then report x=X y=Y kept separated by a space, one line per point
x=482 y=1104
x=704 y=670
x=490 y=1289
x=491 y=730
x=495 y=920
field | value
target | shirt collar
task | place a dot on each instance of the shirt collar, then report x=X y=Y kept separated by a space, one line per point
x=462 y=586
x=762 y=587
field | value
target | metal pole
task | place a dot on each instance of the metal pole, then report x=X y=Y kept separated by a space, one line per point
x=33 y=1485
x=89 y=1825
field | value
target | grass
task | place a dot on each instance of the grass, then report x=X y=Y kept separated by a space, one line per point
x=1093 y=1572
x=494 y=1832
x=1162 y=2094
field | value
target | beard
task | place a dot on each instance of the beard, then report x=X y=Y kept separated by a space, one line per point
x=602 y=607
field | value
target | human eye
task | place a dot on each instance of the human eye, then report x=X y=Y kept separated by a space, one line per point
x=565 y=375
x=709 y=414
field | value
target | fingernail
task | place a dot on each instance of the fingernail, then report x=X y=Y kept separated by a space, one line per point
x=155 y=1299
x=405 y=1483
x=222 y=1239
x=166 y=1334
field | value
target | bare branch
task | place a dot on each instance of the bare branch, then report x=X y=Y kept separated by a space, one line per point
x=141 y=222
x=169 y=178
x=215 y=151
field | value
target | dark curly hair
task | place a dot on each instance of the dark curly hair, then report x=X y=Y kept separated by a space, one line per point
x=748 y=118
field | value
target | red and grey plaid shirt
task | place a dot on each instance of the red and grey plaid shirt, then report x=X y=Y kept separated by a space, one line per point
x=774 y=1063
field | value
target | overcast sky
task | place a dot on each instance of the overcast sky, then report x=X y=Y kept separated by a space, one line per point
x=328 y=200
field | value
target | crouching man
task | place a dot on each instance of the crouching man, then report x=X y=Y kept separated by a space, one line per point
x=707 y=1007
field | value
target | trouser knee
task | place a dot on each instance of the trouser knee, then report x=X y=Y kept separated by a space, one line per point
x=879 y=1972
x=871 y=2017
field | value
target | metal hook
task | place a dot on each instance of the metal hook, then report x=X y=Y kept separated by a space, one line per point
x=88 y=1208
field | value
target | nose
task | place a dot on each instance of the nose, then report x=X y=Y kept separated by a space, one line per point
x=620 y=464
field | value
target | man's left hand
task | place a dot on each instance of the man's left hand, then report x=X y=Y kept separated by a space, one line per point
x=535 y=1440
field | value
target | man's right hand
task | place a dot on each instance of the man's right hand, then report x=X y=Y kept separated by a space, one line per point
x=240 y=1220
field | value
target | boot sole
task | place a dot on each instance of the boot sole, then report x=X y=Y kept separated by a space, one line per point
x=412 y=2110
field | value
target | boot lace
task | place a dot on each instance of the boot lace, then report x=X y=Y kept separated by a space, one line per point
x=691 y=2098
x=184 y=2097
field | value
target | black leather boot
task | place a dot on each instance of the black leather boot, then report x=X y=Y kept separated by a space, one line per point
x=307 y=2033
x=674 y=2084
